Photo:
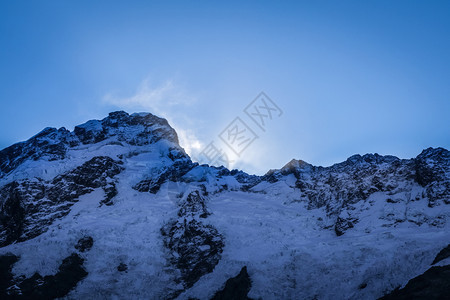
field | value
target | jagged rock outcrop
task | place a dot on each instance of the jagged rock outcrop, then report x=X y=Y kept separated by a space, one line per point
x=136 y=129
x=7 y=262
x=50 y=143
x=340 y=187
x=433 y=173
x=30 y=206
x=236 y=288
x=174 y=172
x=119 y=127
x=70 y=272
x=195 y=247
x=167 y=227
x=84 y=244
x=443 y=254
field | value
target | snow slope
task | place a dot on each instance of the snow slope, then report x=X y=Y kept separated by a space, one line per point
x=165 y=227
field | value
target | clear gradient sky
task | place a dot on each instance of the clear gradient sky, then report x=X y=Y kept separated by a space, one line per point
x=350 y=76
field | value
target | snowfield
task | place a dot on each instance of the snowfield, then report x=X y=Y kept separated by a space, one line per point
x=164 y=227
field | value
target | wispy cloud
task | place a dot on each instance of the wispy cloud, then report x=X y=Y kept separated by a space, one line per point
x=168 y=100
x=160 y=99
x=174 y=102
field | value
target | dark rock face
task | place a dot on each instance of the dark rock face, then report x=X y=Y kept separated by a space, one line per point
x=136 y=129
x=174 y=173
x=362 y=286
x=84 y=244
x=427 y=165
x=443 y=254
x=6 y=264
x=19 y=198
x=70 y=272
x=432 y=171
x=194 y=205
x=12 y=215
x=236 y=288
x=30 y=206
x=339 y=187
x=122 y=267
x=195 y=247
x=351 y=181
x=342 y=225
x=240 y=176
x=52 y=143
x=84 y=179
x=433 y=284
x=198 y=249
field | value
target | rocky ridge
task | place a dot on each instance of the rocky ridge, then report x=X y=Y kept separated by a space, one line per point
x=138 y=156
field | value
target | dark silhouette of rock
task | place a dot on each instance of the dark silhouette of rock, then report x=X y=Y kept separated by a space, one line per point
x=70 y=272
x=198 y=247
x=52 y=143
x=195 y=247
x=84 y=244
x=236 y=288
x=342 y=225
x=443 y=254
x=431 y=168
x=173 y=173
x=122 y=267
x=30 y=206
x=433 y=284
x=194 y=205
x=12 y=215
x=149 y=129
x=6 y=264
x=338 y=187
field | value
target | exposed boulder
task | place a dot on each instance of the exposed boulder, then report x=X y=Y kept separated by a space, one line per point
x=84 y=244
x=122 y=267
x=236 y=288
x=342 y=225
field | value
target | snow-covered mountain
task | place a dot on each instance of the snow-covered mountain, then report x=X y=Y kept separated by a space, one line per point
x=116 y=209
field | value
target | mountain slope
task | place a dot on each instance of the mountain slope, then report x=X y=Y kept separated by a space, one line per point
x=161 y=226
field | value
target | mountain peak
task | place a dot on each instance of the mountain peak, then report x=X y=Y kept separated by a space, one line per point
x=118 y=127
x=142 y=212
x=435 y=153
x=135 y=129
x=295 y=165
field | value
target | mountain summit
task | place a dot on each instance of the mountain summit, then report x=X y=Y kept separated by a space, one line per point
x=117 y=209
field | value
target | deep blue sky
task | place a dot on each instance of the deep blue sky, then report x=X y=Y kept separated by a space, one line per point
x=350 y=76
